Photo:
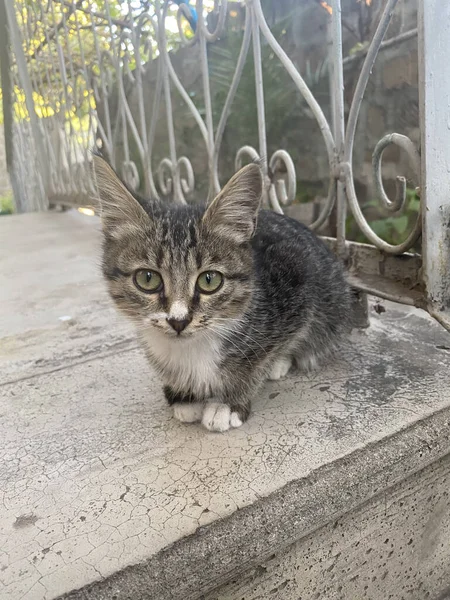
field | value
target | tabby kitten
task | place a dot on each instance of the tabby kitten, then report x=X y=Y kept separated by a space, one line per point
x=223 y=297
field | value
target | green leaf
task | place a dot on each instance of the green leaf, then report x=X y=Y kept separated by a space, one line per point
x=381 y=227
x=400 y=224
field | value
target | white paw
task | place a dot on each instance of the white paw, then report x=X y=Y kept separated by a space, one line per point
x=188 y=412
x=218 y=417
x=280 y=368
x=235 y=420
x=309 y=363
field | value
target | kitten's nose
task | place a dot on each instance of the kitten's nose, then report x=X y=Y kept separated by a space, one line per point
x=179 y=324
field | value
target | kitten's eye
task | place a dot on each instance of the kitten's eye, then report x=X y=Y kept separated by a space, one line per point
x=209 y=282
x=148 y=281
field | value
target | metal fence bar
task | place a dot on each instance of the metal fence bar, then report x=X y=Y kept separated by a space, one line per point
x=37 y=173
x=350 y=138
x=109 y=87
x=260 y=109
x=338 y=122
x=40 y=197
x=7 y=95
x=434 y=52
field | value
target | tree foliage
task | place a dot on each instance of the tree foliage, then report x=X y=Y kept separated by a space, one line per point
x=64 y=43
x=63 y=40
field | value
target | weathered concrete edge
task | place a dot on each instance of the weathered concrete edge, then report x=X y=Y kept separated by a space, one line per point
x=222 y=550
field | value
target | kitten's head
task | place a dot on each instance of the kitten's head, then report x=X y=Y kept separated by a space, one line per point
x=179 y=269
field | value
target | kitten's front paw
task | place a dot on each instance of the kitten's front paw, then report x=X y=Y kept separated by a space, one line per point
x=280 y=368
x=309 y=363
x=188 y=412
x=218 y=417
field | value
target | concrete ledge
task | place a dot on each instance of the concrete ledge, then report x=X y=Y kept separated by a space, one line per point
x=395 y=546
x=101 y=491
x=226 y=549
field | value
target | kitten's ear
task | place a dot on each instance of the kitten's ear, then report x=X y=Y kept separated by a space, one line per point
x=233 y=212
x=119 y=208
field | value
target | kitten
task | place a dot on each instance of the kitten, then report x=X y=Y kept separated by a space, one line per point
x=223 y=297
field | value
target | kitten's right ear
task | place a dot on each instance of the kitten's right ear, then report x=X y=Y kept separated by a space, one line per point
x=234 y=211
x=119 y=208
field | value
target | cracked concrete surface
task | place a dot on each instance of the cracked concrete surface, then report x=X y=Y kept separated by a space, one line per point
x=393 y=546
x=96 y=475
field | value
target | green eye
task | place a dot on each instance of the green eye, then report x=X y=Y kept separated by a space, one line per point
x=148 y=281
x=209 y=282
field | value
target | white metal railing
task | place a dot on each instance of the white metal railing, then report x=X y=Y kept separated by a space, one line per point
x=51 y=79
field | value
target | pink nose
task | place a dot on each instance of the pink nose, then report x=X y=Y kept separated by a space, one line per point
x=179 y=324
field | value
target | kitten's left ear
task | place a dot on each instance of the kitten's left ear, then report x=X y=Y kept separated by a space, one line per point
x=233 y=212
x=119 y=208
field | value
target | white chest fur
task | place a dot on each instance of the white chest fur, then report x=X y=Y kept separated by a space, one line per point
x=190 y=364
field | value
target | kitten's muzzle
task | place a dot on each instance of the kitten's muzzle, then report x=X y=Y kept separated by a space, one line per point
x=179 y=324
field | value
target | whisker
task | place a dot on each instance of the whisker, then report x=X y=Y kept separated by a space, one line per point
x=226 y=334
x=226 y=337
x=247 y=335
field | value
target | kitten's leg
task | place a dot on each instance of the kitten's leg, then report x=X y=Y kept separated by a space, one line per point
x=185 y=407
x=231 y=407
x=280 y=368
x=218 y=416
x=308 y=363
x=188 y=412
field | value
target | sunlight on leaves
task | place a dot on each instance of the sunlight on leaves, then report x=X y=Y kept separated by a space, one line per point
x=329 y=9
